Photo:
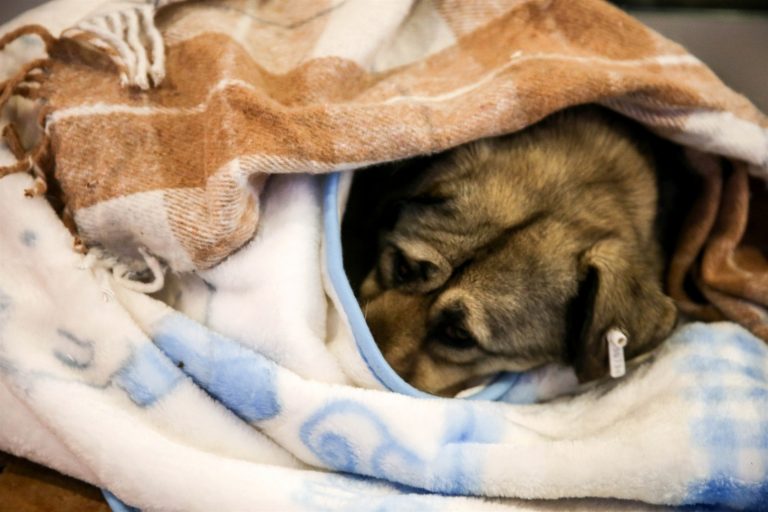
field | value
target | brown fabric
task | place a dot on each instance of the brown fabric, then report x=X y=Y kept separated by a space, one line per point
x=723 y=250
x=692 y=238
x=251 y=90
x=27 y=487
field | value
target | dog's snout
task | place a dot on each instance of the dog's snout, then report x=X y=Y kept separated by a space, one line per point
x=397 y=323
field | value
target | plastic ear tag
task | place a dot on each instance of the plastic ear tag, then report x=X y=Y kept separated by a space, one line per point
x=617 y=340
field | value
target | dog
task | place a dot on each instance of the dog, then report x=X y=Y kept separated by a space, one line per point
x=512 y=252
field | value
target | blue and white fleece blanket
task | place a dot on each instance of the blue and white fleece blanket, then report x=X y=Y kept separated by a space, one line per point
x=249 y=394
x=254 y=386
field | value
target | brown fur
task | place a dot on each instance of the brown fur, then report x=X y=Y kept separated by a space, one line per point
x=512 y=252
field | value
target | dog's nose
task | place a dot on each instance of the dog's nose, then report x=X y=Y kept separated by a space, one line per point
x=398 y=325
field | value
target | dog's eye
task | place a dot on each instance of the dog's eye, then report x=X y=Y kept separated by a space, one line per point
x=402 y=270
x=405 y=271
x=456 y=337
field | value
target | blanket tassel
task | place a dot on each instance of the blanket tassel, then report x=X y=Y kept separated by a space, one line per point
x=131 y=40
x=25 y=83
x=95 y=258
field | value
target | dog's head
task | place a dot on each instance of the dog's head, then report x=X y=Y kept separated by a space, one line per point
x=509 y=253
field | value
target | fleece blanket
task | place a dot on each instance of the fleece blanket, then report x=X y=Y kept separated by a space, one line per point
x=232 y=382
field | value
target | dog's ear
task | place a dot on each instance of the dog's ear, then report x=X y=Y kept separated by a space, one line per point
x=618 y=288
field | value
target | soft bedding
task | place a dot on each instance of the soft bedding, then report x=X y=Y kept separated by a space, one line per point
x=171 y=329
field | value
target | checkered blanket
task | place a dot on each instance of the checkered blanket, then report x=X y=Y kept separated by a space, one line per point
x=238 y=386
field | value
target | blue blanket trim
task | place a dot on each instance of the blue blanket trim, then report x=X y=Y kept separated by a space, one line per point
x=115 y=504
x=369 y=351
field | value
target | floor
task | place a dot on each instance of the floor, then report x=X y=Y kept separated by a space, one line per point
x=27 y=487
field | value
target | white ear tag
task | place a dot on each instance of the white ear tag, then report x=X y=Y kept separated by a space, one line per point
x=617 y=340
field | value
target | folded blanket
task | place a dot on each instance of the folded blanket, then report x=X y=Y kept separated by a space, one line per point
x=239 y=386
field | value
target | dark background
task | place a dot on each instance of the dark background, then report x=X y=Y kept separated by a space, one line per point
x=731 y=36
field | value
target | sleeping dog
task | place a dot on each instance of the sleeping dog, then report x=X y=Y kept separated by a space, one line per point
x=512 y=252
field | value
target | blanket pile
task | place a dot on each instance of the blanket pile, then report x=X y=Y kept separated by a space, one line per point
x=231 y=383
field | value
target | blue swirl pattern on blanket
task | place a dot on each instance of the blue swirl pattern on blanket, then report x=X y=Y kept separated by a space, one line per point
x=241 y=379
x=731 y=428
x=29 y=238
x=351 y=437
x=80 y=353
x=148 y=376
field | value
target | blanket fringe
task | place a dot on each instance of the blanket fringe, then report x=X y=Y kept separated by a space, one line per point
x=12 y=139
x=132 y=41
x=25 y=83
x=97 y=258
x=37 y=30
